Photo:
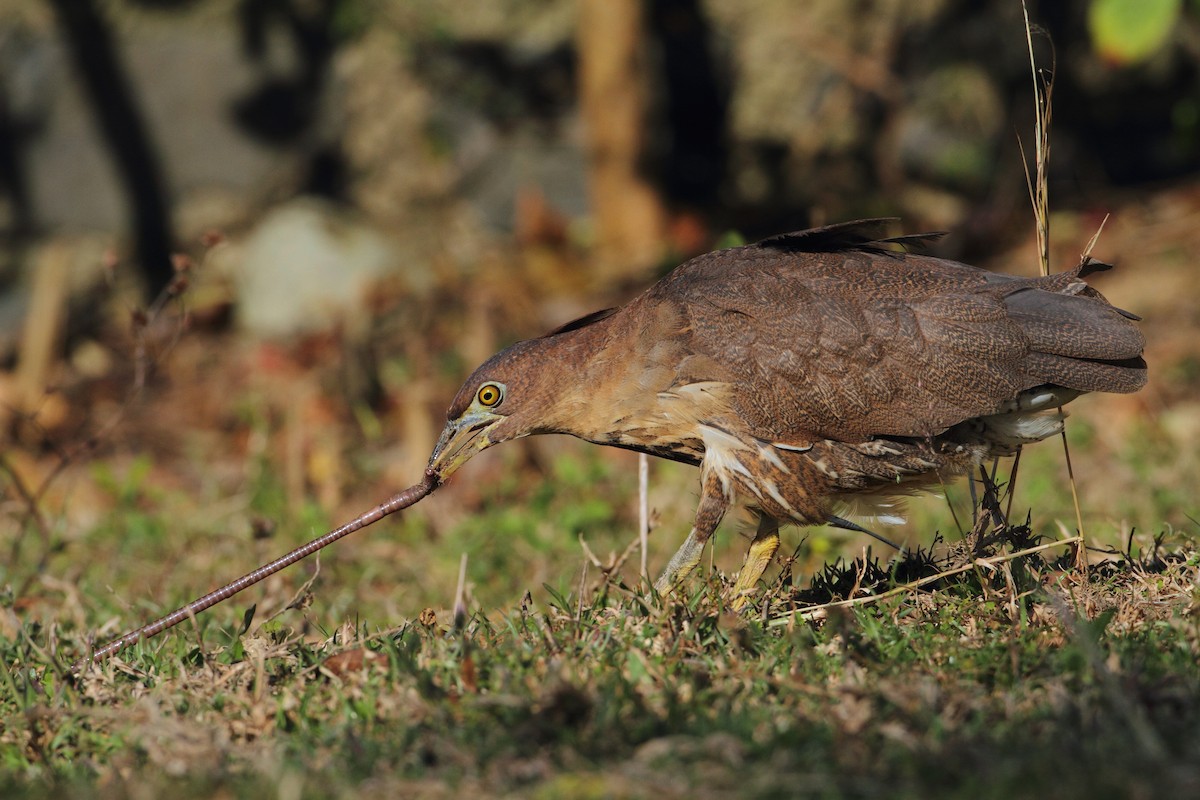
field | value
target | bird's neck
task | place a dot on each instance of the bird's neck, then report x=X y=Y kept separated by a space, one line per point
x=626 y=387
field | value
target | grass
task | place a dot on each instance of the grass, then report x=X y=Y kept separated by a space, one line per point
x=1027 y=679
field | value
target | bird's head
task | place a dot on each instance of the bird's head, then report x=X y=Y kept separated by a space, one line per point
x=505 y=398
x=540 y=385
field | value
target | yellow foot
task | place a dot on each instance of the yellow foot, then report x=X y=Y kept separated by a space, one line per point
x=682 y=564
x=762 y=550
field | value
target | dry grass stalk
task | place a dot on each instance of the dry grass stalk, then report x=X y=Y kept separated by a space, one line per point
x=582 y=593
x=1087 y=251
x=151 y=349
x=1081 y=550
x=1039 y=195
x=644 y=510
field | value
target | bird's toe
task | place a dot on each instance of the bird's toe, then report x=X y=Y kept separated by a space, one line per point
x=759 y=556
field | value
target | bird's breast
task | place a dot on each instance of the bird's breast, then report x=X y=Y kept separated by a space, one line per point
x=670 y=422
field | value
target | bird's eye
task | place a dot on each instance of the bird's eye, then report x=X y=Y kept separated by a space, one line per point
x=489 y=395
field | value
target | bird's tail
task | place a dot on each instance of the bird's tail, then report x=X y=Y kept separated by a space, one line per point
x=1079 y=340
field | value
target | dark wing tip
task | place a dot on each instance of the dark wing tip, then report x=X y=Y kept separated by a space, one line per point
x=838 y=236
x=581 y=322
x=1090 y=266
x=915 y=241
x=861 y=234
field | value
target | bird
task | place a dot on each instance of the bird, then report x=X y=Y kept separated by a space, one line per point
x=809 y=374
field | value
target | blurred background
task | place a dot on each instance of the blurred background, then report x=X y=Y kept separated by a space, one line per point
x=249 y=249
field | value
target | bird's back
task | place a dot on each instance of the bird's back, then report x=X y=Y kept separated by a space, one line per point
x=829 y=334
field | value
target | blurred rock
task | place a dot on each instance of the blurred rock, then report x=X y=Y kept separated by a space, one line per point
x=307 y=266
x=91 y=360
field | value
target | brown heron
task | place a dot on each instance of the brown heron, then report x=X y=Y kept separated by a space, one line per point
x=807 y=371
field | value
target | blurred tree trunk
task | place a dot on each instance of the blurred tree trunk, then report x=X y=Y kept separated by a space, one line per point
x=91 y=45
x=614 y=94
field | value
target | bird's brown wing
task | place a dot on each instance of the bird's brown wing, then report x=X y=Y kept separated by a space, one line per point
x=825 y=335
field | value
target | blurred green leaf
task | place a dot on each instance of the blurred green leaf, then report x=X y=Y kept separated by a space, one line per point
x=730 y=239
x=1128 y=31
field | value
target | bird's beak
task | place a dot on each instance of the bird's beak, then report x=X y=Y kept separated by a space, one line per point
x=461 y=439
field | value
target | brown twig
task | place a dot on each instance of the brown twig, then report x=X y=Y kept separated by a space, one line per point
x=144 y=364
x=33 y=513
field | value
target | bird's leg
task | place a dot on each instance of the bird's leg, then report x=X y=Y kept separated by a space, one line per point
x=713 y=502
x=762 y=550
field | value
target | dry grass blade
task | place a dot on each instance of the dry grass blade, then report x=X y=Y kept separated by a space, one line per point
x=582 y=593
x=644 y=511
x=1081 y=549
x=302 y=595
x=1012 y=485
x=1087 y=251
x=1039 y=194
x=950 y=505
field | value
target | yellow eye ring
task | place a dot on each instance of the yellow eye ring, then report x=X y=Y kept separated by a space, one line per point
x=489 y=395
